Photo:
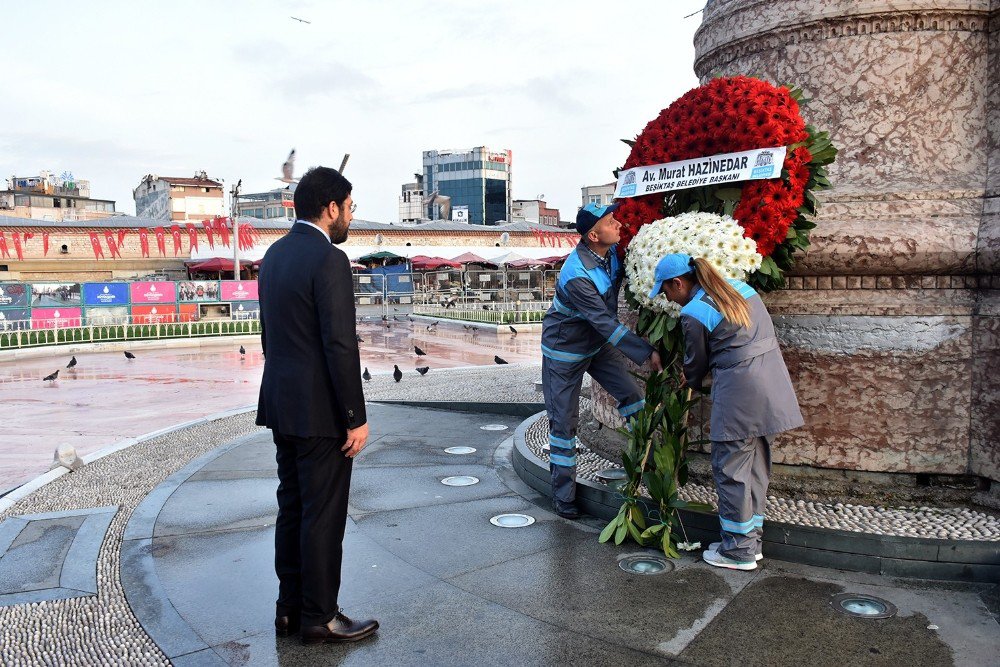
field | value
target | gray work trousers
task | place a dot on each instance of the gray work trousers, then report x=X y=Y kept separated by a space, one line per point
x=742 y=470
x=561 y=382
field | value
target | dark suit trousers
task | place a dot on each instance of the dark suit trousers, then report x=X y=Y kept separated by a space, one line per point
x=314 y=479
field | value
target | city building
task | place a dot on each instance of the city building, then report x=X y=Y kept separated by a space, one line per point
x=51 y=197
x=534 y=210
x=169 y=198
x=476 y=180
x=601 y=195
x=277 y=204
x=411 y=201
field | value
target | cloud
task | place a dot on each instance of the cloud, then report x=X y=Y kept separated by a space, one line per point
x=324 y=79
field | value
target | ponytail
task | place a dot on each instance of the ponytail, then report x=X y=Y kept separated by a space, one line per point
x=732 y=305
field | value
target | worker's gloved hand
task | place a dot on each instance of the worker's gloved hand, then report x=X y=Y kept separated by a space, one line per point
x=655 y=362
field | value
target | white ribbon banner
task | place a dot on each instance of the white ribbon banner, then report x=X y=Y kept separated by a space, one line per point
x=752 y=165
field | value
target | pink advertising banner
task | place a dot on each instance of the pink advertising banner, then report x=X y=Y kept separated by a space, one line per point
x=239 y=290
x=50 y=318
x=153 y=292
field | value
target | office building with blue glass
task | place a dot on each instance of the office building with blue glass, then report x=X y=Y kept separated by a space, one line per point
x=477 y=181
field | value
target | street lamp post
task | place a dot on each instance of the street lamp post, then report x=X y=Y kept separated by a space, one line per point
x=235 y=193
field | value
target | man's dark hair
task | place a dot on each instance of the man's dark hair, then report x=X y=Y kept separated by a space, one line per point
x=316 y=189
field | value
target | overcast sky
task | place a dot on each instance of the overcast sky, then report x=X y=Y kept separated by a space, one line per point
x=112 y=91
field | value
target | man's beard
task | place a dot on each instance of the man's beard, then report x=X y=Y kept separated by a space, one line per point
x=338 y=229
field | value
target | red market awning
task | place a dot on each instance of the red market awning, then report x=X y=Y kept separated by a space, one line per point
x=424 y=263
x=472 y=258
x=216 y=264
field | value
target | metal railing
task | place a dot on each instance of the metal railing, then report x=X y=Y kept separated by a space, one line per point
x=455 y=288
x=499 y=313
x=169 y=326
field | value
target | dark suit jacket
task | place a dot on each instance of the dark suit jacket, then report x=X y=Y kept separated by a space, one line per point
x=312 y=373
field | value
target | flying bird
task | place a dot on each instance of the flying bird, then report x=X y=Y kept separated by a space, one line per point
x=129 y=355
x=288 y=170
x=51 y=378
x=512 y=330
x=499 y=360
x=366 y=376
x=423 y=370
x=385 y=318
x=296 y=18
x=419 y=352
x=432 y=326
x=72 y=363
x=397 y=374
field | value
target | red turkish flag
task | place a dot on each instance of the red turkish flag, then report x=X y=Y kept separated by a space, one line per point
x=222 y=226
x=109 y=238
x=3 y=246
x=248 y=236
x=121 y=240
x=161 y=243
x=175 y=231
x=17 y=245
x=96 y=244
x=207 y=224
x=45 y=243
x=192 y=236
x=144 y=241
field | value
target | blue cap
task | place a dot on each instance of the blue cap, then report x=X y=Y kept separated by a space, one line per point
x=588 y=216
x=669 y=267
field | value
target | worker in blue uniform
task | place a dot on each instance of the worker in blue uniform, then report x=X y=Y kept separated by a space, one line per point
x=728 y=334
x=581 y=334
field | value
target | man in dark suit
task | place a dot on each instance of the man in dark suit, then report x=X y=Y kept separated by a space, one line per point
x=311 y=399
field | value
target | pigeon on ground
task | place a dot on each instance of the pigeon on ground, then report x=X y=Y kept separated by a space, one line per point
x=129 y=355
x=366 y=376
x=423 y=370
x=499 y=360
x=385 y=318
x=51 y=378
x=359 y=338
x=243 y=352
x=512 y=330
x=388 y=326
x=410 y=318
x=397 y=374
x=396 y=319
x=72 y=363
x=432 y=326
x=395 y=309
x=419 y=352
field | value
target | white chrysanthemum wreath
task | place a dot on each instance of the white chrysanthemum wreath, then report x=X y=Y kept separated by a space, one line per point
x=716 y=238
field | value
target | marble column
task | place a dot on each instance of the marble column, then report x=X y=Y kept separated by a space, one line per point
x=890 y=324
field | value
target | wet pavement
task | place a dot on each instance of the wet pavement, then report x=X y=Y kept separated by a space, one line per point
x=106 y=398
x=450 y=588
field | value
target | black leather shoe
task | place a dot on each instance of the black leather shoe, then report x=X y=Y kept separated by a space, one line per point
x=286 y=625
x=339 y=629
x=567 y=511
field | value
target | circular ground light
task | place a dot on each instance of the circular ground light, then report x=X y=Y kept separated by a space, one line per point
x=460 y=450
x=460 y=480
x=494 y=427
x=863 y=606
x=609 y=475
x=512 y=520
x=645 y=565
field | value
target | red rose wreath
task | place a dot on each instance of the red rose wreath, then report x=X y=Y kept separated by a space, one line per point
x=728 y=115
